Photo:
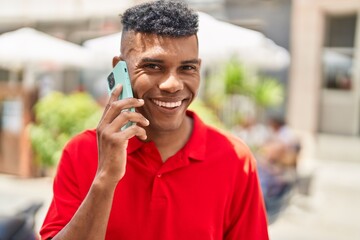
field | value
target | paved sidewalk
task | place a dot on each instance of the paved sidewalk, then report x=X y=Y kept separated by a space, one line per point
x=331 y=212
x=17 y=193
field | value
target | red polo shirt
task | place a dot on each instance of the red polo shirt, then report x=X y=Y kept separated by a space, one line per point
x=208 y=190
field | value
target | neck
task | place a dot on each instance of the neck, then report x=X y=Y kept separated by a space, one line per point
x=170 y=142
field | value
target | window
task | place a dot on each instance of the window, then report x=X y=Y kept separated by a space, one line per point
x=338 y=52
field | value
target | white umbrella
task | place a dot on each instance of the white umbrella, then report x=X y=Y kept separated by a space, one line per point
x=27 y=46
x=104 y=49
x=218 y=41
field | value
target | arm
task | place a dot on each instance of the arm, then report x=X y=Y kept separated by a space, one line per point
x=90 y=219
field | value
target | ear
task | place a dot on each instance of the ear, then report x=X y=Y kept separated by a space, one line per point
x=115 y=60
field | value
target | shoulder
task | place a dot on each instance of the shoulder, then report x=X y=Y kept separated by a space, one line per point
x=81 y=149
x=231 y=148
x=220 y=146
x=77 y=165
x=86 y=139
x=227 y=141
x=79 y=158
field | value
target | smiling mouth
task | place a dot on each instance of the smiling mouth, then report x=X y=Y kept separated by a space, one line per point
x=167 y=104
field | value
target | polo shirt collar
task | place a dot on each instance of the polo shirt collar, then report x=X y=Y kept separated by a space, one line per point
x=195 y=148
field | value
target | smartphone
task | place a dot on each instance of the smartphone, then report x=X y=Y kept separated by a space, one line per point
x=120 y=75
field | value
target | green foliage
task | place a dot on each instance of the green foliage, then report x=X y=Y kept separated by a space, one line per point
x=267 y=92
x=264 y=91
x=214 y=89
x=235 y=78
x=58 y=118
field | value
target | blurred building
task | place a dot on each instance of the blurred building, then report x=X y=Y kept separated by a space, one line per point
x=324 y=92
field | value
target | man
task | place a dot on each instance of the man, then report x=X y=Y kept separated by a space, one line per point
x=168 y=176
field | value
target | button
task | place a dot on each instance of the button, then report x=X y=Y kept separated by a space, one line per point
x=159 y=175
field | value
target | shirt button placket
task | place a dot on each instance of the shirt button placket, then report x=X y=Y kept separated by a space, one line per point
x=158 y=188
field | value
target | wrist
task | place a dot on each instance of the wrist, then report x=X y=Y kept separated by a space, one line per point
x=103 y=182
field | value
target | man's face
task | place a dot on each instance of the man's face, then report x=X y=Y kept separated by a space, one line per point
x=165 y=72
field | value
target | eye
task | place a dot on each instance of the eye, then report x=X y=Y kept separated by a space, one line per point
x=188 y=68
x=152 y=66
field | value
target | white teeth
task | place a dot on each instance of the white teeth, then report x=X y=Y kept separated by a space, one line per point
x=167 y=104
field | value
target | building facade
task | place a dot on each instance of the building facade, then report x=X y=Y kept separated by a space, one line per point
x=325 y=77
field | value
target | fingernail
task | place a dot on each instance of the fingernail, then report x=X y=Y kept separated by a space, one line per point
x=141 y=100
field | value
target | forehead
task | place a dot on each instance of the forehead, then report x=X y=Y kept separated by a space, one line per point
x=138 y=45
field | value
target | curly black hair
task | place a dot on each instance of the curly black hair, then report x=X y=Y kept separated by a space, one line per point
x=167 y=18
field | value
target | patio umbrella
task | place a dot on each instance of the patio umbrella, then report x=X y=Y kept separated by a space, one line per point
x=104 y=49
x=27 y=46
x=218 y=41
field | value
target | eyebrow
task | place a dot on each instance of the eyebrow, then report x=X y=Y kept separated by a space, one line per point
x=151 y=60
x=191 y=61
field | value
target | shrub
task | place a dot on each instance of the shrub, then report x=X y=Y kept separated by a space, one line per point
x=58 y=118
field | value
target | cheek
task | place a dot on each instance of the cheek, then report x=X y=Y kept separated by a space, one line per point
x=141 y=84
x=194 y=85
x=139 y=81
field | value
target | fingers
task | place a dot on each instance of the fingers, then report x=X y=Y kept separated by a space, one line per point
x=115 y=93
x=116 y=115
x=113 y=130
x=135 y=130
x=127 y=116
x=114 y=96
x=116 y=106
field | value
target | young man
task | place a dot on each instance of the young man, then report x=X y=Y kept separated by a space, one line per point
x=169 y=176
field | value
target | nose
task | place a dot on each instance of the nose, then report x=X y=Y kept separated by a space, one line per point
x=171 y=84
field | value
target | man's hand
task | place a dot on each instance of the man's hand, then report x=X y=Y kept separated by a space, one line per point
x=112 y=141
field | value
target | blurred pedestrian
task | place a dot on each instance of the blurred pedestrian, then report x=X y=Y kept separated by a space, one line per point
x=277 y=161
x=254 y=134
x=284 y=144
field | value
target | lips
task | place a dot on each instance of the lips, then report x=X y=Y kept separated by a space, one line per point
x=168 y=104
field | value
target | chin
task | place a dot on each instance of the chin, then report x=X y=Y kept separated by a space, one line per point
x=166 y=126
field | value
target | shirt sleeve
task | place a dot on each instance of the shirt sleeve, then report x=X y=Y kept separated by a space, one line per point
x=247 y=215
x=66 y=198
